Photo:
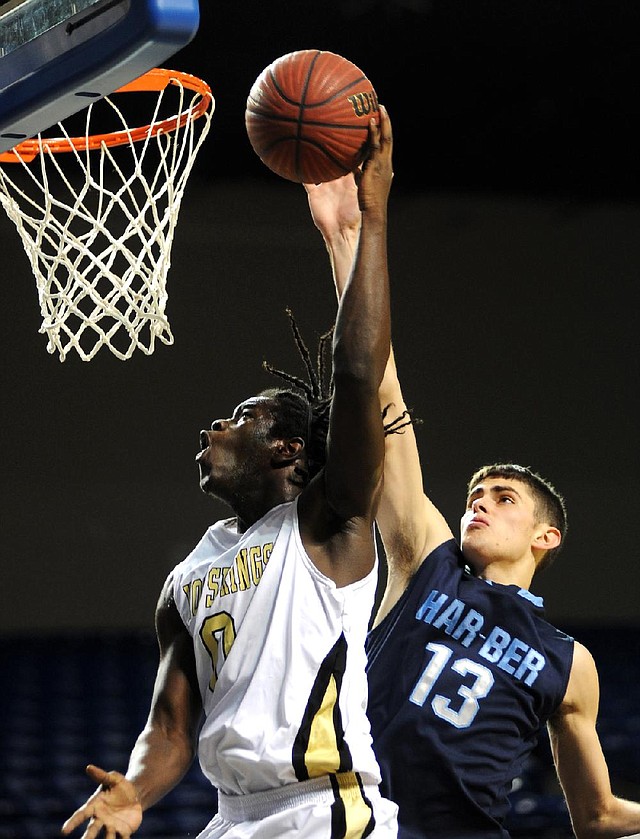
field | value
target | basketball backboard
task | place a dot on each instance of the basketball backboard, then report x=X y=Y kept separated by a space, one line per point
x=56 y=56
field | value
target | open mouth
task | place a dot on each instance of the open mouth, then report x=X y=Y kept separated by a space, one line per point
x=204 y=445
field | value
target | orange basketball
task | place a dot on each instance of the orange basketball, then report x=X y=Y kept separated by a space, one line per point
x=308 y=115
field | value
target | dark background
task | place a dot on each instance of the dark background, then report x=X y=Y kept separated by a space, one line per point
x=514 y=252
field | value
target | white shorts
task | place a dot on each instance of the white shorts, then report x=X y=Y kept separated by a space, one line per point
x=331 y=807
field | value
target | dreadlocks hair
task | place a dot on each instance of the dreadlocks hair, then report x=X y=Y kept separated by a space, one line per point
x=303 y=410
x=397 y=424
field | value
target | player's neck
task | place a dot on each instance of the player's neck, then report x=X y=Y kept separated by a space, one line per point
x=509 y=573
x=252 y=507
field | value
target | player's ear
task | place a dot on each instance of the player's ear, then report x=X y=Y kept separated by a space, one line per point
x=546 y=537
x=287 y=451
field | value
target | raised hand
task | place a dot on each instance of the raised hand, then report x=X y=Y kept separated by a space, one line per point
x=375 y=177
x=334 y=205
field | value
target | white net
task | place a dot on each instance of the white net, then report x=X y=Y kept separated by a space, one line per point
x=99 y=243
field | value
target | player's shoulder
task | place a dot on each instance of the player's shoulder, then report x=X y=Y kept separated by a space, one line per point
x=583 y=661
x=582 y=689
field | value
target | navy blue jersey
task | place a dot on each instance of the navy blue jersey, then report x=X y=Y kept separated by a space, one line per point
x=462 y=675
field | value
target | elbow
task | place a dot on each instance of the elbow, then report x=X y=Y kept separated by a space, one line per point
x=598 y=823
x=361 y=359
x=360 y=380
x=364 y=373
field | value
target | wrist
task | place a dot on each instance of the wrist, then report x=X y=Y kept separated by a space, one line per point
x=342 y=239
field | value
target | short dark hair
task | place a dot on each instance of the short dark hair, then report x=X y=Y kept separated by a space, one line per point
x=549 y=505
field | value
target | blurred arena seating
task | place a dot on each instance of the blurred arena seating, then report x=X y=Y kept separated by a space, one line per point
x=69 y=700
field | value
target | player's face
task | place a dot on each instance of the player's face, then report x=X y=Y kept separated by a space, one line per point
x=498 y=523
x=236 y=450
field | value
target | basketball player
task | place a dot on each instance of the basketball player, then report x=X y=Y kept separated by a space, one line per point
x=261 y=629
x=463 y=669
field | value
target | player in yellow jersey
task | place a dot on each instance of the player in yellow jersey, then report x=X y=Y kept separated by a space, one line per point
x=261 y=629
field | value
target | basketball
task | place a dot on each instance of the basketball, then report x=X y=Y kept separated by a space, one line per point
x=307 y=116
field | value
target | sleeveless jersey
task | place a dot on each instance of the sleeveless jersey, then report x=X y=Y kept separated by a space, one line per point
x=462 y=675
x=280 y=658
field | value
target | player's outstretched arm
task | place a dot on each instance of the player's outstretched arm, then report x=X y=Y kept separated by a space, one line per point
x=336 y=213
x=409 y=523
x=165 y=748
x=341 y=506
x=582 y=769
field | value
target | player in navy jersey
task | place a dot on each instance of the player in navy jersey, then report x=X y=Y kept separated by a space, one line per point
x=464 y=671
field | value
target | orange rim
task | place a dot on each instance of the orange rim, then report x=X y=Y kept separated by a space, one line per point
x=154 y=80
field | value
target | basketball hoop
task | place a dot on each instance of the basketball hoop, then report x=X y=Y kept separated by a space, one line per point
x=100 y=249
